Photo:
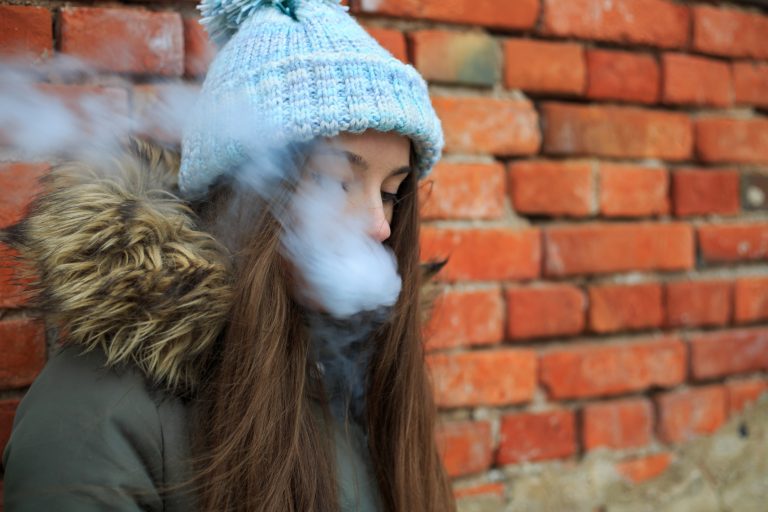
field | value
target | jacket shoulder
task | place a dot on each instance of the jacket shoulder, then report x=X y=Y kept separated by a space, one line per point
x=85 y=437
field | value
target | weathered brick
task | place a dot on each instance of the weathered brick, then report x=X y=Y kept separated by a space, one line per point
x=685 y=414
x=617 y=424
x=7 y=412
x=730 y=32
x=617 y=247
x=125 y=40
x=461 y=318
x=723 y=243
x=552 y=187
x=520 y=14
x=694 y=80
x=12 y=290
x=729 y=352
x=750 y=83
x=650 y=22
x=20 y=182
x=494 y=490
x=22 y=343
x=391 y=39
x=611 y=131
x=198 y=49
x=698 y=303
x=742 y=141
x=465 y=447
x=463 y=191
x=633 y=191
x=622 y=76
x=470 y=58
x=754 y=191
x=600 y=369
x=494 y=377
x=751 y=299
x=706 y=191
x=543 y=311
x=618 y=307
x=537 y=436
x=25 y=30
x=544 y=66
x=742 y=393
x=488 y=125
x=161 y=110
x=641 y=469
x=483 y=254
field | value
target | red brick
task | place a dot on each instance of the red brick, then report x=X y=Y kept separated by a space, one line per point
x=723 y=243
x=706 y=191
x=729 y=352
x=633 y=191
x=611 y=131
x=552 y=187
x=622 y=76
x=520 y=14
x=462 y=318
x=392 y=40
x=750 y=83
x=488 y=125
x=742 y=393
x=463 y=191
x=601 y=369
x=537 y=436
x=495 y=490
x=698 y=303
x=649 y=22
x=693 y=80
x=25 y=30
x=494 y=377
x=470 y=58
x=198 y=49
x=617 y=247
x=685 y=414
x=543 y=311
x=21 y=182
x=483 y=255
x=161 y=110
x=732 y=140
x=730 y=32
x=617 y=424
x=620 y=307
x=22 y=343
x=12 y=290
x=641 y=469
x=751 y=299
x=465 y=447
x=7 y=412
x=125 y=40
x=544 y=66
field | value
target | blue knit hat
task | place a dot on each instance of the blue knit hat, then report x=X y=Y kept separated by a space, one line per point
x=299 y=69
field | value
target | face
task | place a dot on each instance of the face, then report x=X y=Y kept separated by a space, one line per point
x=370 y=167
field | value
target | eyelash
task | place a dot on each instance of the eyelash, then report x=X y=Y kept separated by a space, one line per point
x=389 y=197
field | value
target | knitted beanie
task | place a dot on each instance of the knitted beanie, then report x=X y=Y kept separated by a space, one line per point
x=292 y=71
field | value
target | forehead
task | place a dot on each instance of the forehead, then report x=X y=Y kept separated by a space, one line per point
x=375 y=145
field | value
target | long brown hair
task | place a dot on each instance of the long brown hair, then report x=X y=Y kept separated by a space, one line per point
x=259 y=441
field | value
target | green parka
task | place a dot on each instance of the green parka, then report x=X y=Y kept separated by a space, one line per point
x=142 y=293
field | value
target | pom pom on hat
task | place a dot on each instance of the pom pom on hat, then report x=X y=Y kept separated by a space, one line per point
x=221 y=18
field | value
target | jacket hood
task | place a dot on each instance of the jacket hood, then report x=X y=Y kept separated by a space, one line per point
x=119 y=262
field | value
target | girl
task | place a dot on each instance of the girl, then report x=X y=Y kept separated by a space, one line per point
x=254 y=345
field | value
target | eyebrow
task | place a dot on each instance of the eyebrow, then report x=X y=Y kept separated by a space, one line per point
x=360 y=162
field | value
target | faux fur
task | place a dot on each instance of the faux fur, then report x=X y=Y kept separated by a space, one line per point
x=120 y=264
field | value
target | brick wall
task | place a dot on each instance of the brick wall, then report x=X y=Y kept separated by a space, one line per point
x=602 y=200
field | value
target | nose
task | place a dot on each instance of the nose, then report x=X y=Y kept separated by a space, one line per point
x=378 y=225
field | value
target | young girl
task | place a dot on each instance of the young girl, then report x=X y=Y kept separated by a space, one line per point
x=254 y=345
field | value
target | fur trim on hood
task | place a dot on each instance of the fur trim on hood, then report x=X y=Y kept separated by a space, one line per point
x=119 y=263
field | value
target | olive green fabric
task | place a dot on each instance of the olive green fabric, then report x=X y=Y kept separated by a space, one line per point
x=91 y=438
